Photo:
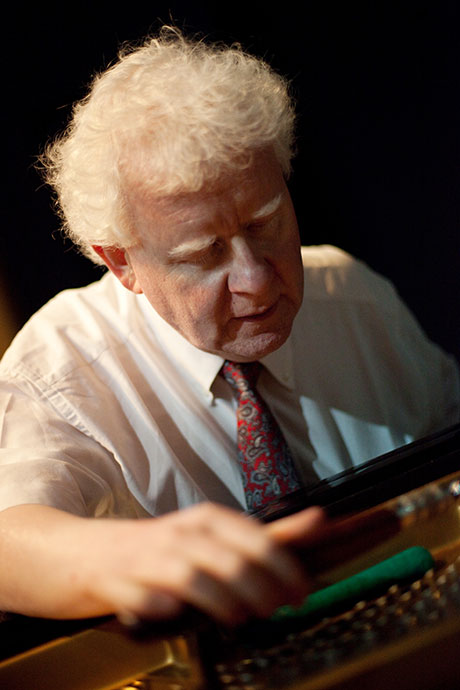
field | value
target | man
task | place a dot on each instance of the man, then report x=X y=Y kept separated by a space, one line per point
x=116 y=399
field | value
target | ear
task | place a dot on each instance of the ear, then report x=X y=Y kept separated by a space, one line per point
x=117 y=260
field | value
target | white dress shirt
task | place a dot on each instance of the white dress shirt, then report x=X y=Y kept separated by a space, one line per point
x=106 y=410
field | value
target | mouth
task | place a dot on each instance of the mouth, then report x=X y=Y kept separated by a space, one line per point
x=259 y=315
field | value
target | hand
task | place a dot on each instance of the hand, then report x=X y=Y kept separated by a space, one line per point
x=227 y=565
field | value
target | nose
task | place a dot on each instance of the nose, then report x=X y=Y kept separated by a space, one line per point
x=250 y=272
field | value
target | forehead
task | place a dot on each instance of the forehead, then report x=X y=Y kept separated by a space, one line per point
x=243 y=195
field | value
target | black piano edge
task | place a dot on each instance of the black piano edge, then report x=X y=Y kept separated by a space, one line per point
x=377 y=480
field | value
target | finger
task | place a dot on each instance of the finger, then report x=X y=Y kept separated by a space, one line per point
x=246 y=536
x=201 y=591
x=141 y=604
x=151 y=605
x=330 y=542
x=217 y=599
x=251 y=582
x=131 y=600
x=348 y=537
x=299 y=529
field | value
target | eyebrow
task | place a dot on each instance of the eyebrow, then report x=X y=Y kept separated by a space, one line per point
x=269 y=208
x=190 y=247
x=201 y=244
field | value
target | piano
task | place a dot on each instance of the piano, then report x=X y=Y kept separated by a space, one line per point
x=405 y=637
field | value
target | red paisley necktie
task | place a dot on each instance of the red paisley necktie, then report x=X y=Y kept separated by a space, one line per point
x=266 y=461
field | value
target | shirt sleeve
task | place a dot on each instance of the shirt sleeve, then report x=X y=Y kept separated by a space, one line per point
x=44 y=460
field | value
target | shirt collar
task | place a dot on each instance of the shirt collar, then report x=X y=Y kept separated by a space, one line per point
x=203 y=367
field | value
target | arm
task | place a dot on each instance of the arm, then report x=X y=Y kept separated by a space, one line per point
x=227 y=565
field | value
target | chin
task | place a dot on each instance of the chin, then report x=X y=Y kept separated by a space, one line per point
x=255 y=348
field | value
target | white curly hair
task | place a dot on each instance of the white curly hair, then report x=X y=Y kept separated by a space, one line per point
x=170 y=116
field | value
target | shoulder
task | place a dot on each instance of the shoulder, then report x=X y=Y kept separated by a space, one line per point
x=347 y=297
x=71 y=331
x=332 y=274
x=354 y=323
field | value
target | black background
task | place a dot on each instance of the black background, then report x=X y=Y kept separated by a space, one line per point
x=377 y=85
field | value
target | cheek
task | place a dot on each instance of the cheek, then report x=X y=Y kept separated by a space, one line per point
x=205 y=303
x=191 y=306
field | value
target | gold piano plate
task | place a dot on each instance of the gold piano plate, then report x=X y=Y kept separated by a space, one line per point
x=102 y=658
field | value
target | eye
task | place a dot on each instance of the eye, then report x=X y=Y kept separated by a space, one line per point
x=264 y=225
x=207 y=255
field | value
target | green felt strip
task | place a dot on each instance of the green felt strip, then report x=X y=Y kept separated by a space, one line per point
x=407 y=566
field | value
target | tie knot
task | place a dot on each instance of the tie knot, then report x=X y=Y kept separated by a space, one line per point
x=242 y=376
